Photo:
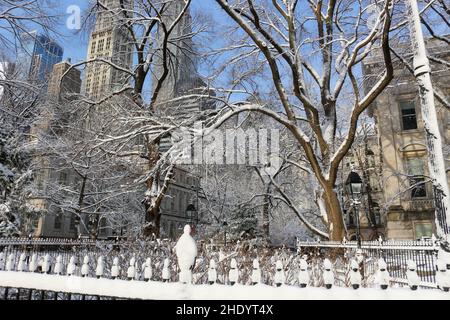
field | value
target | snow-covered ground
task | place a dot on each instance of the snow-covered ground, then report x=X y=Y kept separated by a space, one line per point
x=177 y=291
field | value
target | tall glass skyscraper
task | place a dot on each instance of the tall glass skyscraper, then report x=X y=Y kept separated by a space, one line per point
x=37 y=56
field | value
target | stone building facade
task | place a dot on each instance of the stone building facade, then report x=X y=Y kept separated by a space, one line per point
x=55 y=223
x=180 y=204
x=71 y=84
x=407 y=195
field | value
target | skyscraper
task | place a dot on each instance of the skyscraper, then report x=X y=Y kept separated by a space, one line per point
x=182 y=62
x=110 y=41
x=37 y=55
x=70 y=84
x=183 y=81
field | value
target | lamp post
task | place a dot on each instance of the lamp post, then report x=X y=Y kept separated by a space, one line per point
x=354 y=186
x=192 y=215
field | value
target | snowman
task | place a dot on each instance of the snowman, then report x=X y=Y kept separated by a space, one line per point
x=355 y=275
x=32 y=267
x=115 y=270
x=148 y=270
x=279 y=277
x=58 y=266
x=22 y=263
x=411 y=274
x=71 y=267
x=10 y=262
x=383 y=275
x=233 y=275
x=131 y=272
x=85 y=266
x=166 y=271
x=212 y=272
x=442 y=280
x=186 y=251
x=328 y=275
x=100 y=267
x=256 y=273
x=46 y=264
x=303 y=275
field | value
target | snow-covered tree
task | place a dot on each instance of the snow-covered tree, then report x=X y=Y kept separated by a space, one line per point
x=311 y=51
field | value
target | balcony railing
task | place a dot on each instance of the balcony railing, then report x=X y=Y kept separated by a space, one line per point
x=419 y=204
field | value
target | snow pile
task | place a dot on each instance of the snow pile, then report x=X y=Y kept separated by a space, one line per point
x=177 y=291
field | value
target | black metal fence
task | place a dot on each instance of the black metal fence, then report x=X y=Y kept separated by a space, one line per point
x=395 y=253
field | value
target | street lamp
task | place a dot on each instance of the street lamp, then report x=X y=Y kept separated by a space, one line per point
x=354 y=186
x=192 y=214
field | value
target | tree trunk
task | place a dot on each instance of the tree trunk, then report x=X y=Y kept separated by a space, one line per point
x=152 y=210
x=265 y=217
x=153 y=223
x=336 y=228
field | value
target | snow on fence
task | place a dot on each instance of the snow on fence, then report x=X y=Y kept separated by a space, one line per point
x=155 y=261
x=395 y=253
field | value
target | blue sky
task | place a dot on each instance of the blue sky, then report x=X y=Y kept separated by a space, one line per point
x=75 y=43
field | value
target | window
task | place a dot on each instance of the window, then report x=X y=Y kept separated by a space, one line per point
x=72 y=221
x=377 y=214
x=423 y=229
x=58 y=220
x=416 y=171
x=93 y=47
x=408 y=115
x=100 y=45
x=62 y=177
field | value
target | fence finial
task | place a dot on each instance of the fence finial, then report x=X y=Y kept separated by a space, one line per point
x=115 y=270
x=279 y=277
x=256 y=273
x=383 y=274
x=303 y=275
x=100 y=267
x=355 y=274
x=58 y=265
x=411 y=274
x=2 y=260
x=328 y=275
x=233 y=275
x=148 y=272
x=46 y=265
x=32 y=267
x=166 y=271
x=131 y=269
x=71 y=267
x=85 y=267
x=10 y=262
x=22 y=263
x=212 y=272
x=442 y=276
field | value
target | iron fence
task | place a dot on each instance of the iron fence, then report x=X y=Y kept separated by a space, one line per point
x=395 y=253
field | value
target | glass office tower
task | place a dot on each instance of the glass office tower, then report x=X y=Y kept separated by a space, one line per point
x=37 y=55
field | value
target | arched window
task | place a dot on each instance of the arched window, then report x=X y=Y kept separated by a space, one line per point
x=377 y=213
